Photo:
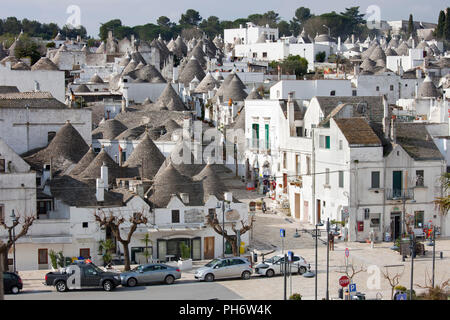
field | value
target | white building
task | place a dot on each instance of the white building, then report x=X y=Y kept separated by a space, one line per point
x=29 y=120
x=307 y=89
x=250 y=34
x=29 y=80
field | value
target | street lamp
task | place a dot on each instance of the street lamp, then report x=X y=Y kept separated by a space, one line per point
x=433 y=243
x=413 y=252
x=316 y=235
x=14 y=219
x=327 y=294
x=219 y=205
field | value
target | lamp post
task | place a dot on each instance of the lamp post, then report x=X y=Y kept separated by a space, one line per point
x=327 y=294
x=433 y=243
x=413 y=251
x=315 y=288
x=14 y=219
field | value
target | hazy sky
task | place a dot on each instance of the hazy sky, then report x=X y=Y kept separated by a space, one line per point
x=135 y=12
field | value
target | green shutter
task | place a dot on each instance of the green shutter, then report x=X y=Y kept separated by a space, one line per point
x=327 y=142
x=267 y=136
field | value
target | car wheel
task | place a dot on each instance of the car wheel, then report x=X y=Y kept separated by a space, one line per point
x=302 y=270
x=209 y=277
x=246 y=275
x=270 y=273
x=15 y=290
x=61 y=286
x=131 y=282
x=169 y=279
x=107 y=285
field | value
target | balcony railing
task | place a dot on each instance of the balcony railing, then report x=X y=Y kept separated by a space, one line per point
x=399 y=194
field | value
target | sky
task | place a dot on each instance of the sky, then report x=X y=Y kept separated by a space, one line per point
x=138 y=12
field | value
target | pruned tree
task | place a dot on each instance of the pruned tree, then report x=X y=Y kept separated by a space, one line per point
x=393 y=279
x=213 y=221
x=115 y=222
x=25 y=222
x=436 y=292
x=351 y=271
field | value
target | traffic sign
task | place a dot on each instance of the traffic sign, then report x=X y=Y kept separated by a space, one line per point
x=352 y=287
x=401 y=296
x=282 y=233
x=344 y=281
x=347 y=252
x=290 y=256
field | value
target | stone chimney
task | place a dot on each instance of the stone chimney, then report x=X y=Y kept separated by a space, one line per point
x=110 y=35
x=104 y=175
x=393 y=130
x=228 y=196
x=184 y=197
x=100 y=190
x=124 y=105
x=290 y=113
x=386 y=124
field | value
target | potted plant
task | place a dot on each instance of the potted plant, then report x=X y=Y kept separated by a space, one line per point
x=54 y=259
x=295 y=296
x=185 y=262
x=105 y=249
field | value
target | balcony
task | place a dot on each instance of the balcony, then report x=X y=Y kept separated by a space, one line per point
x=399 y=194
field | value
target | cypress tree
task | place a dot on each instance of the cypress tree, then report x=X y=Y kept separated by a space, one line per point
x=410 y=25
x=440 y=27
x=446 y=34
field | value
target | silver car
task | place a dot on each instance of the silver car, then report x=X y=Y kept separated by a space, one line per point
x=148 y=273
x=234 y=267
x=274 y=266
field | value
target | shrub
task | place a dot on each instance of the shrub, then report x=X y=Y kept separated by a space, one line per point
x=295 y=296
x=54 y=259
x=320 y=57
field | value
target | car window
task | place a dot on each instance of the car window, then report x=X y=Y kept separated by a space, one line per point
x=6 y=276
x=162 y=267
x=212 y=263
x=223 y=263
x=148 y=268
x=89 y=271
x=237 y=261
x=296 y=258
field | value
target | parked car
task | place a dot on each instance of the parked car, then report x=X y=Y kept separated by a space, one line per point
x=82 y=275
x=273 y=266
x=234 y=267
x=148 y=273
x=12 y=283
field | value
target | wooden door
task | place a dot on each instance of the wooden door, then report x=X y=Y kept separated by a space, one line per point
x=208 y=248
x=85 y=253
x=318 y=211
x=297 y=206
x=305 y=211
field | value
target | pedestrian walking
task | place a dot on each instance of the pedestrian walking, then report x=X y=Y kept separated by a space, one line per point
x=263 y=205
x=331 y=241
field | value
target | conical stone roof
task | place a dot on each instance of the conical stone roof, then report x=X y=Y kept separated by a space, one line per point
x=390 y=52
x=84 y=162
x=254 y=95
x=82 y=88
x=170 y=182
x=377 y=54
x=67 y=147
x=147 y=156
x=109 y=129
x=234 y=91
x=169 y=99
x=44 y=63
x=211 y=183
x=96 y=79
x=20 y=66
x=190 y=71
x=208 y=83
x=427 y=89
x=93 y=171
x=403 y=49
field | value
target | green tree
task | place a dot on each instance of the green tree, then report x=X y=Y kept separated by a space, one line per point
x=320 y=56
x=27 y=48
x=301 y=15
x=190 y=18
x=284 y=28
x=439 y=31
x=292 y=65
x=164 y=21
x=211 y=26
x=106 y=248
x=108 y=26
x=446 y=34
x=146 y=240
x=271 y=18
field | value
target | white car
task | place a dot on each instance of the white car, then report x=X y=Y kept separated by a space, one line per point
x=273 y=266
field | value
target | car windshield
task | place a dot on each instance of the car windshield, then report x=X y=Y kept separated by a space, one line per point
x=274 y=259
x=97 y=269
x=212 y=263
x=138 y=268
